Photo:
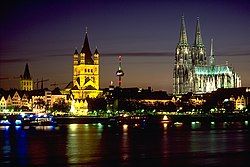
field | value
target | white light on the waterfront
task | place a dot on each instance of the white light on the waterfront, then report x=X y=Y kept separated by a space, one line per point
x=246 y=123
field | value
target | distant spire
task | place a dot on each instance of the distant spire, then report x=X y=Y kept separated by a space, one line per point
x=211 y=48
x=26 y=74
x=96 y=51
x=212 y=59
x=198 y=38
x=76 y=52
x=183 y=33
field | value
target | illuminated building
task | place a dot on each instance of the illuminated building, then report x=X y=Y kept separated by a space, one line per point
x=36 y=100
x=240 y=103
x=119 y=72
x=85 y=76
x=193 y=72
x=26 y=82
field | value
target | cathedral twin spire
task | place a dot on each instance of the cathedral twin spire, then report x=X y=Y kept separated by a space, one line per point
x=186 y=58
x=183 y=33
x=198 y=38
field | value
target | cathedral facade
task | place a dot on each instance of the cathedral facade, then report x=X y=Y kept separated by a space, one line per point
x=193 y=72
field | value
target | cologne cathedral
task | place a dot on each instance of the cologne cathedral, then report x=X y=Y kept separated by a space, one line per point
x=193 y=72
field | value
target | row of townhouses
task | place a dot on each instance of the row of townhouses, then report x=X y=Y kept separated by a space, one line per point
x=35 y=100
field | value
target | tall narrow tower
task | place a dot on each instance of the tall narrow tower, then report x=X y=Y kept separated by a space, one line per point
x=26 y=82
x=198 y=49
x=182 y=62
x=119 y=72
x=86 y=72
x=212 y=59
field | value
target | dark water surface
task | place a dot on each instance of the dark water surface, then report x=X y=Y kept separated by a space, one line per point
x=96 y=145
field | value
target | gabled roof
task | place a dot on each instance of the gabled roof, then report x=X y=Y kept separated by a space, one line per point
x=70 y=85
x=56 y=91
x=89 y=87
x=86 y=80
x=75 y=88
x=39 y=92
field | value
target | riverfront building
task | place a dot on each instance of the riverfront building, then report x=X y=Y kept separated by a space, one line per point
x=193 y=72
x=86 y=78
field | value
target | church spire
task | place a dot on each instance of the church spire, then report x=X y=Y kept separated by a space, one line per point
x=198 y=39
x=86 y=50
x=26 y=74
x=212 y=59
x=86 y=47
x=183 y=33
x=76 y=52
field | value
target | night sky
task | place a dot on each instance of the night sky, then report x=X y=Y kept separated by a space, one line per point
x=45 y=33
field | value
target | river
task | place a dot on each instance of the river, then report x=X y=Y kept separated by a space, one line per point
x=98 y=145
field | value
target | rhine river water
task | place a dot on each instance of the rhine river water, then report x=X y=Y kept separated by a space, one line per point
x=98 y=145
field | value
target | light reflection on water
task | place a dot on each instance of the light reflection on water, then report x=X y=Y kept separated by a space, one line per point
x=128 y=145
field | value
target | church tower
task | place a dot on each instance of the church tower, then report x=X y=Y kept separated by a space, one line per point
x=85 y=72
x=182 y=63
x=198 y=50
x=26 y=82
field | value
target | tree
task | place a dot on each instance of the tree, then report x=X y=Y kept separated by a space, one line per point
x=61 y=105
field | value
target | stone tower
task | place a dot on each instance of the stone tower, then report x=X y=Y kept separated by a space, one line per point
x=86 y=72
x=182 y=62
x=26 y=82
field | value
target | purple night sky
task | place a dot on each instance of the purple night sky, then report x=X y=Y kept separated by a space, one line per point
x=44 y=33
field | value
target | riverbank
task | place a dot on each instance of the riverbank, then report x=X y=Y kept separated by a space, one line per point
x=157 y=119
